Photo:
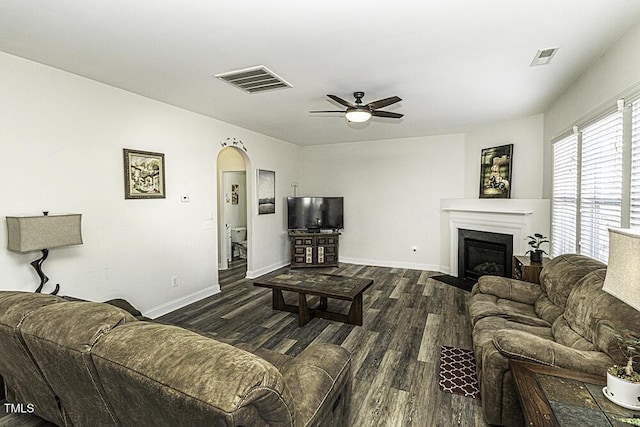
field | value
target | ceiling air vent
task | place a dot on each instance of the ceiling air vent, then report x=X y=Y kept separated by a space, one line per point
x=254 y=79
x=544 y=56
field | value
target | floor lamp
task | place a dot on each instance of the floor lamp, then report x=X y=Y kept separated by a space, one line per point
x=41 y=233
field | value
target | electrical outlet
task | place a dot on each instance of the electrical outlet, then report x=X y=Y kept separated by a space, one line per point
x=174 y=281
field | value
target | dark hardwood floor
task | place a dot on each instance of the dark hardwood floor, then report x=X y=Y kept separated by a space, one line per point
x=407 y=318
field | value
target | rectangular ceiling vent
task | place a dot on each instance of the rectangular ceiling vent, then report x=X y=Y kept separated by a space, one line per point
x=254 y=79
x=544 y=56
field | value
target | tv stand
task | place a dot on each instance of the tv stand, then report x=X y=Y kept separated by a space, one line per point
x=314 y=249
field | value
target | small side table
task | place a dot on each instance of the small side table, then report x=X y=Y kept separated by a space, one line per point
x=524 y=269
x=554 y=397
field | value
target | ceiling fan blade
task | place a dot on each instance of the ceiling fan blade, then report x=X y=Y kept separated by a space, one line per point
x=389 y=114
x=384 y=102
x=341 y=101
x=328 y=111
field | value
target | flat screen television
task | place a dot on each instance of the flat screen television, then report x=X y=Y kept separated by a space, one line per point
x=315 y=213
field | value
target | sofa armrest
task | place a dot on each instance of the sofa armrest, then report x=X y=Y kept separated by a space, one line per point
x=511 y=289
x=319 y=378
x=526 y=346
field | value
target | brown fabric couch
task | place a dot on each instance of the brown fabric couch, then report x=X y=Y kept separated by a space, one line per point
x=88 y=364
x=567 y=321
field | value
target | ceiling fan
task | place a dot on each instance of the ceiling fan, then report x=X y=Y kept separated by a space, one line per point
x=361 y=113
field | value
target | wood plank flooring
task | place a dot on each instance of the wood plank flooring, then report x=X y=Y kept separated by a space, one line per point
x=407 y=318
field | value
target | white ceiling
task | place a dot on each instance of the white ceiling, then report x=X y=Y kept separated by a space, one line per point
x=457 y=64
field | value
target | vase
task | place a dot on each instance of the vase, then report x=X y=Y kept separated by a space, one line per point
x=622 y=392
x=536 y=256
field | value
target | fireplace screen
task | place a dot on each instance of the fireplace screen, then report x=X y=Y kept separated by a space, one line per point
x=483 y=253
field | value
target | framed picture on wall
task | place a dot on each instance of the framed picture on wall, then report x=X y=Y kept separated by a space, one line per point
x=495 y=172
x=143 y=175
x=266 y=192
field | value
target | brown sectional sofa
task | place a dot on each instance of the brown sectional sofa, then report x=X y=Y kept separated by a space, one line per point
x=87 y=364
x=567 y=321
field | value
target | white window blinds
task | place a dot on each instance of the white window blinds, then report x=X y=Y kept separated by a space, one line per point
x=601 y=185
x=565 y=196
x=635 y=165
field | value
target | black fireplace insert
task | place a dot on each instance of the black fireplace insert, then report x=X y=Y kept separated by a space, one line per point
x=482 y=253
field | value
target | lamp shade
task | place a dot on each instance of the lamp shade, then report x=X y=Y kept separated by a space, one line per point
x=358 y=115
x=33 y=233
x=623 y=270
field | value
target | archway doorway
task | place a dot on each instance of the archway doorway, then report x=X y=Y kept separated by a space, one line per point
x=233 y=214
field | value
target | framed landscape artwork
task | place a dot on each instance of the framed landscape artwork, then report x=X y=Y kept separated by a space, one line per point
x=143 y=175
x=495 y=172
x=266 y=192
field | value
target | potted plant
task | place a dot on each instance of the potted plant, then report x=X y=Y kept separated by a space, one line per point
x=623 y=382
x=535 y=253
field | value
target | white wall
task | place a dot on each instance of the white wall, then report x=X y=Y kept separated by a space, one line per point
x=392 y=192
x=61 y=141
x=614 y=75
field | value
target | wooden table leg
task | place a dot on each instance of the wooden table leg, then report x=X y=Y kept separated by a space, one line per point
x=277 y=300
x=323 y=303
x=303 y=310
x=355 y=312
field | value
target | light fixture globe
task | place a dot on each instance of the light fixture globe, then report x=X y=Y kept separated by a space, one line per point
x=357 y=114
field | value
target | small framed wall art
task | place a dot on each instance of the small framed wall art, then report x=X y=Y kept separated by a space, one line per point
x=143 y=175
x=495 y=172
x=266 y=192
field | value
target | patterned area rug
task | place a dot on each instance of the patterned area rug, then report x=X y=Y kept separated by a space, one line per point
x=458 y=372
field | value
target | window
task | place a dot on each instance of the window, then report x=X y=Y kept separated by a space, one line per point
x=564 y=203
x=600 y=185
x=596 y=182
x=635 y=165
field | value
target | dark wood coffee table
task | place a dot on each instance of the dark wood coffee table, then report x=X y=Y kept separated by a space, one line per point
x=552 y=397
x=305 y=282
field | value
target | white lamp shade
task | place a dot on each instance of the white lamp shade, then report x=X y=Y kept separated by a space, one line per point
x=358 y=115
x=33 y=233
x=623 y=269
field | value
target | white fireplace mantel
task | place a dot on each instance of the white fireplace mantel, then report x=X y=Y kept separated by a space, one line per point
x=514 y=222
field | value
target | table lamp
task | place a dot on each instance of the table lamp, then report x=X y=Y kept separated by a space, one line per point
x=41 y=233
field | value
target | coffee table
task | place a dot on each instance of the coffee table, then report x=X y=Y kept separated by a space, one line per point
x=304 y=282
x=552 y=396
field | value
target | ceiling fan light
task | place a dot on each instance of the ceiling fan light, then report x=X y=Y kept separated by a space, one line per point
x=358 y=115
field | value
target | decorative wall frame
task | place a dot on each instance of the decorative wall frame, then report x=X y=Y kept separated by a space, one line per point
x=144 y=175
x=266 y=192
x=495 y=172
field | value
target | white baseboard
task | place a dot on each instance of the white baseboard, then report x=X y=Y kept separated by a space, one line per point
x=252 y=274
x=170 y=306
x=391 y=264
x=444 y=269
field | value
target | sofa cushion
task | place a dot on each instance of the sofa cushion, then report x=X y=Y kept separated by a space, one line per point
x=565 y=335
x=188 y=380
x=60 y=337
x=485 y=305
x=558 y=278
x=23 y=379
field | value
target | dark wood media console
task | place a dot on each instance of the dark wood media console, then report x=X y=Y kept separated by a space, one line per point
x=314 y=249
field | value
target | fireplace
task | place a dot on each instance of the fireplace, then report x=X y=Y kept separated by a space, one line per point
x=481 y=253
